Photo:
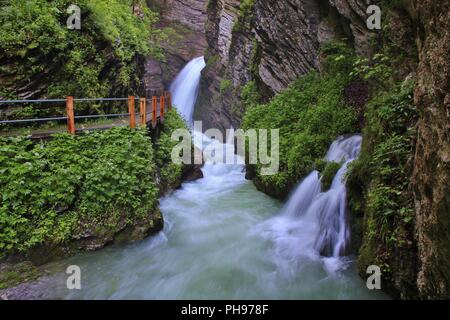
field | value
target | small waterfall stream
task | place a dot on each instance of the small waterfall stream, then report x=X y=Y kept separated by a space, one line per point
x=313 y=221
x=223 y=239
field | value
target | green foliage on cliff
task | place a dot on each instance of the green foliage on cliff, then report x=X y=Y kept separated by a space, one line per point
x=250 y=95
x=310 y=115
x=50 y=189
x=13 y=275
x=245 y=15
x=378 y=182
x=225 y=86
x=42 y=57
x=328 y=173
x=170 y=173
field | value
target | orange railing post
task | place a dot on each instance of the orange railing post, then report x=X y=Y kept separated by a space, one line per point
x=132 y=112
x=70 y=115
x=162 y=107
x=154 y=112
x=143 y=112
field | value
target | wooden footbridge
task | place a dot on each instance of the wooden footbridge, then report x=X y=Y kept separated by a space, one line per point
x=146 y=112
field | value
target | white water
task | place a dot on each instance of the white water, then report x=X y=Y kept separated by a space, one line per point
x=185 y=88
x=222 y=240
x=313 y=224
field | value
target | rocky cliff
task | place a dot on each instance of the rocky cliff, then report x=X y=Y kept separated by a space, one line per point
x=184 y=23
x=271 y=43
x=432 y=162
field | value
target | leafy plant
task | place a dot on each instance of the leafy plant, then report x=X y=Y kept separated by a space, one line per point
x=42 y=56
x=377 y=69
x=328 y=174
x=310 y=114
x=170 y=172
x=225 y=86
x=54 y=190
x=378 y=182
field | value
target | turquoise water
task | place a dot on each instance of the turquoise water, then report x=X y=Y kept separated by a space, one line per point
x=221 y=241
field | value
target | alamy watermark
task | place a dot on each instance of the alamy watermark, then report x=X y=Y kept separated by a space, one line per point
x=374 y=280
x=74 y=20
x=374 y=20
x=74 y=279
x=241 y=147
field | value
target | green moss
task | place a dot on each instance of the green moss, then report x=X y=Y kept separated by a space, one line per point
x=328 y=173
x=170 y=173
x=255 y=58
x=300 y=113
x=225 y=86
x=41 y=53
x=245 y=15
x=378 y=186
x=13 y=275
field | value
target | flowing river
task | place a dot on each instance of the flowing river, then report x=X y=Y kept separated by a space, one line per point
x=223 y=239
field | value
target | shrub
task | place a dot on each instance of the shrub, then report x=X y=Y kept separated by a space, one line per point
x=43 y=56
x=378 y=182
x=328 y=174
x=51 y=189
x=310 y=114
x=170 y=173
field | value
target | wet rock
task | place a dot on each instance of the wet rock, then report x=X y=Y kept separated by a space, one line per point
x=432 y=161
x=192 y=173
x=184 y=21
x=274 y=46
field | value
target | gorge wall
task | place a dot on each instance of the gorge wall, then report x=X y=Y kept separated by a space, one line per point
x=431 y=180
x=271 y=43
x=184 y=23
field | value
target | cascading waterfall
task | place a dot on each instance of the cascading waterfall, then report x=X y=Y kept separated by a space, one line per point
x=185 y=88
x=222 y=241
x=313 y=223
x=334 y=235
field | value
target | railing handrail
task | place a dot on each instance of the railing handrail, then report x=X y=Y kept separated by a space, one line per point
x=64 y=100
x=164 y=102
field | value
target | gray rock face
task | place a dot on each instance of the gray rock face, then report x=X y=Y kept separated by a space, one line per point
x=190 y=13
x=273 y=45
x=431 y=179
x=184 y=20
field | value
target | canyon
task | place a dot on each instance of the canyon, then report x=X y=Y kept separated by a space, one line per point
x=272 y=43
x=379 y=197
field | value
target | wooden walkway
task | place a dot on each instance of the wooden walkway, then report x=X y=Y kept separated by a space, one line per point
x=145 y=112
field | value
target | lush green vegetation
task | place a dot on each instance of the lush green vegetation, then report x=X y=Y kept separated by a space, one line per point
x=97 y=183
x=245 y=14
x=50 y=189
x=328 y=171
x=225 y=85
x=378 y=181
x=41 y=57
x=310 y=114
x=169 y=172
x=13 y=275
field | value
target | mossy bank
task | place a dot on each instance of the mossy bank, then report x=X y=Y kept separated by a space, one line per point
x=78 y=193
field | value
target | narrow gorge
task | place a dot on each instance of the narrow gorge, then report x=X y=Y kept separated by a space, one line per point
x=363 y=119
x=257 y=49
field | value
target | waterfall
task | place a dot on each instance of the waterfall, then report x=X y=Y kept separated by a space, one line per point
x=213 y=243
x=313 y=224
x=185 y=88
x=329 y=208
x=334 y=235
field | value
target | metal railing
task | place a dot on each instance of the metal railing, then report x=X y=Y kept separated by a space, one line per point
x=159 y=105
